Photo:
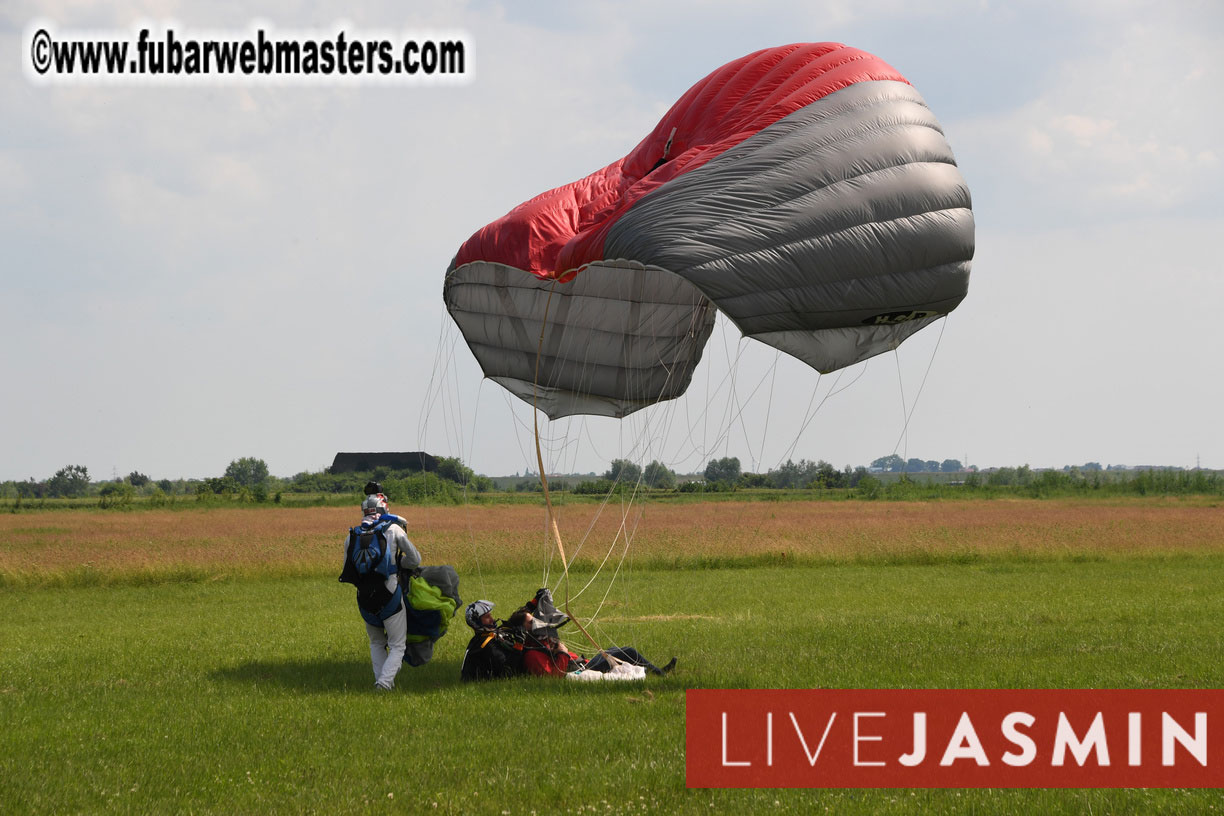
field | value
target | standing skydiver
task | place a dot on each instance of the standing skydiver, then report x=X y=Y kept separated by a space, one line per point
x=374 y=553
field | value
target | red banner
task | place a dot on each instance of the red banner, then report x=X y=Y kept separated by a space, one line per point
x=943 y=738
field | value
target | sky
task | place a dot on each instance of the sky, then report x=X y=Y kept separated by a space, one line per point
x=191 y=275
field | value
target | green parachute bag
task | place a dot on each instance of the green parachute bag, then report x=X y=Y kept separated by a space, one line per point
x=431 y=600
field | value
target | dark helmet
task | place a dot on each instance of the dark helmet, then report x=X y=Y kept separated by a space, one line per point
x=475 y=610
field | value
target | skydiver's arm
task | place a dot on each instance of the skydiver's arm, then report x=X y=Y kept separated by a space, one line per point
x=410 y=557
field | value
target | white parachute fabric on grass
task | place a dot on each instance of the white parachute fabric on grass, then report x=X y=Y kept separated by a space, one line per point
x=619 y=672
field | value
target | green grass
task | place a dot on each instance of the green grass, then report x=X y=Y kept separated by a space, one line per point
x=250 y=695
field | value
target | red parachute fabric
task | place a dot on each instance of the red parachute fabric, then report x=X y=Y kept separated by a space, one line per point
x=558 y=232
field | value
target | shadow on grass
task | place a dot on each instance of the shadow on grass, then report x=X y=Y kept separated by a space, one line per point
x=318 y=675
x=328 y=675
x=331 y=675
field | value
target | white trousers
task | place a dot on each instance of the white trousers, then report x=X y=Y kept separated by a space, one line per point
x=387 y=643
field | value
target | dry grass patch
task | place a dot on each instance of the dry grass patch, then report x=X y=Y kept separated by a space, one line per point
x=512 y=537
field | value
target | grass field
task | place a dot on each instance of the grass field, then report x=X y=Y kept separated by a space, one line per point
x=208 y=662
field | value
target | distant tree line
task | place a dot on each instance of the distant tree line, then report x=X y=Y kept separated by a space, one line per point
x=247 y=479
x=723 y=474
x=889 y=477
x=895 y=464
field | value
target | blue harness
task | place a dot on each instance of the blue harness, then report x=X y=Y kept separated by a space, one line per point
x=368 y=562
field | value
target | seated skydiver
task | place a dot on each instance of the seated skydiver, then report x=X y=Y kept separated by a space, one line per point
x=544 y=655
x=493 y=652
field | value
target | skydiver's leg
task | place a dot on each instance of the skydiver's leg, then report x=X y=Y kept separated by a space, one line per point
x=378 y=654
x=625 y=654
x=397 y=639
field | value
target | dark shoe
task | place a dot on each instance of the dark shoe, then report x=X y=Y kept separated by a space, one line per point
x=668 y=668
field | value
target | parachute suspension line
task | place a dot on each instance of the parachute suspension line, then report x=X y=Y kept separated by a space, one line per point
x=808 y=415
x=728 y=419
x=705 y=406
x=560 y=446
x=833 y=392
x=904 y=415
x=432 y=391
x=598 y=514
x=467 y=507
x=703 y=448
x=552 y=519
x=450 y=391
x=943 y=324
x=739 y=414
x=769 y=405
x=622 y=530
x=629 y=534
x=642 y=449
x=443 y=387
x=512 y=407
x=741 y=406
x=591 y=528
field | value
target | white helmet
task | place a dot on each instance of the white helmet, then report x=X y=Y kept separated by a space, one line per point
x=374 y=504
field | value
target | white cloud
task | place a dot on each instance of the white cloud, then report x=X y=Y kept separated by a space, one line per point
x=1124 y=128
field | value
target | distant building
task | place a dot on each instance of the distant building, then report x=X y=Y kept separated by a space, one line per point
x=359 y=462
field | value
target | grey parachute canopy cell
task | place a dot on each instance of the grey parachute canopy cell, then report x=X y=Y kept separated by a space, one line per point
x=806 y=192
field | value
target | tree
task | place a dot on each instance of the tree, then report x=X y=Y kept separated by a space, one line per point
x=452 y=467
x=1002 y=477
x=659 y=475
x=786 y=476
x=69 y=481
x=623 y=470
x=889 y=464
x=869 y=487
x=247 y=471
x=755 y=480
x=218 y=486
x=30 y=489
x=826 y=476
x=116 y=494
x=725 y=470
x=137 y=479
x=951 y=466
x=529 y=485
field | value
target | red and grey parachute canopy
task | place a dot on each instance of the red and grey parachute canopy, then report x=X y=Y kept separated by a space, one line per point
x=806 y=192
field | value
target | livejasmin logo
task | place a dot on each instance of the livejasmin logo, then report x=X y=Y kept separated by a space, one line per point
x=954 y=738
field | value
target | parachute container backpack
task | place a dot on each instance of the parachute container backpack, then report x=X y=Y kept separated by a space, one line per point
x=805 y=191
x=368 y=562
x=433 y=597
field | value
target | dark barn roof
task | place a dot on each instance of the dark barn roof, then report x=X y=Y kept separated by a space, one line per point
x=356 y=462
